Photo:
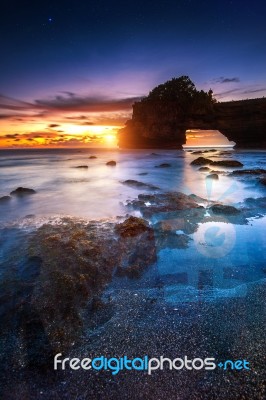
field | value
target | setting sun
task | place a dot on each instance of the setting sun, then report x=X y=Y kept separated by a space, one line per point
x=110 y=138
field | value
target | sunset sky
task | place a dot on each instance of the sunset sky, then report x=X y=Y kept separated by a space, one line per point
x=71 y=70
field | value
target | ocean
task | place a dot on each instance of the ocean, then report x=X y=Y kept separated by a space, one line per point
x=212 y=277
x=99 y=192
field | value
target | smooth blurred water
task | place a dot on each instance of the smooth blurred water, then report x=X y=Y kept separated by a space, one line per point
x=98 y=192
x=221 y=257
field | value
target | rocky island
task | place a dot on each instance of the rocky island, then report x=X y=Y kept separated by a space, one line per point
x=161 y=119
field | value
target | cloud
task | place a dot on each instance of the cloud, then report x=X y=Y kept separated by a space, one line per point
x=53 y=126
x=89 y=104
x=254 y=90
x=70 y=94
x=223 y=94
x=222 y=79
x=8 y=103
x=67 y=103
x=86 y=123
x=77 y=117
x=5 y=116
x=11 y=136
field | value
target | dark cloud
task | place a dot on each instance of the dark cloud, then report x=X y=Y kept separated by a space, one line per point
x=222 y=79
x=53 y=126
x=240 y=91
x=5 y=116
x=71 y=103
x=8 y=103
x=223 y=94
x=78 y=117
x=86 y=123
x=89 y=104
x=70 y=94
x=254 y=90
x=11 y=136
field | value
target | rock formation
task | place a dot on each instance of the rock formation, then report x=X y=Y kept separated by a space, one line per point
x=161 y=122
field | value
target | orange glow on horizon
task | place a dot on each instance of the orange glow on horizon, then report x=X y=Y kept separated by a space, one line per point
x=62 y=134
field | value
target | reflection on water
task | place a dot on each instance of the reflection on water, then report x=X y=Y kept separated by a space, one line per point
x=221 y=257
x=97 y=192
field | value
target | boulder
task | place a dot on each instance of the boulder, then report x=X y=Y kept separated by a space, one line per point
x=139 y=185
x=92 y=157
x=77 y=261
x=204 y=169
x=82 y=167
x=224 y=209
x=137 y=245
x=212 y=176
x=21 y=191
x=162 y=202
x=227 y=163
x=201 y=161
x=132 y=226
x=5 y=199
x=111 y=163
x=256 y=171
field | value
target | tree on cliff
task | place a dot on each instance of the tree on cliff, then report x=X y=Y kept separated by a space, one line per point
x=183 y=93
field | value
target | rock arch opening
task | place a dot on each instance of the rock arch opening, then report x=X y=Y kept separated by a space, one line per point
x=206 y=138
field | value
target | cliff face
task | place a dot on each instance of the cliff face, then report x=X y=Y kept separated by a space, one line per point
x=164 y=125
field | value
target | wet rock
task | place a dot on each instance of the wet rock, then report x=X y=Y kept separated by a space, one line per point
x=256 y=171
x=227 y=163
x=78 y=259
x=82 y=167
x=163 y=202
x=92 y=157
x=204 y=169
x=139 y=185
x=21 y=191
x=225 y=153
x=201 y=161
x=212 y=176
x=224 y=209
x=5 y=199
x=155 y=154
x=222 y=163
x=179 y=222
x=132 y=226
x=213 y=171
x=163 y=165
x=171 y=240
x=263 y=181
x=111 y=163
x=137 y=245
x=258 y=203
x=143 y=173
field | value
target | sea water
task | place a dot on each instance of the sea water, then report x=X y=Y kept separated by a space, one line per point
x=99 y=192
